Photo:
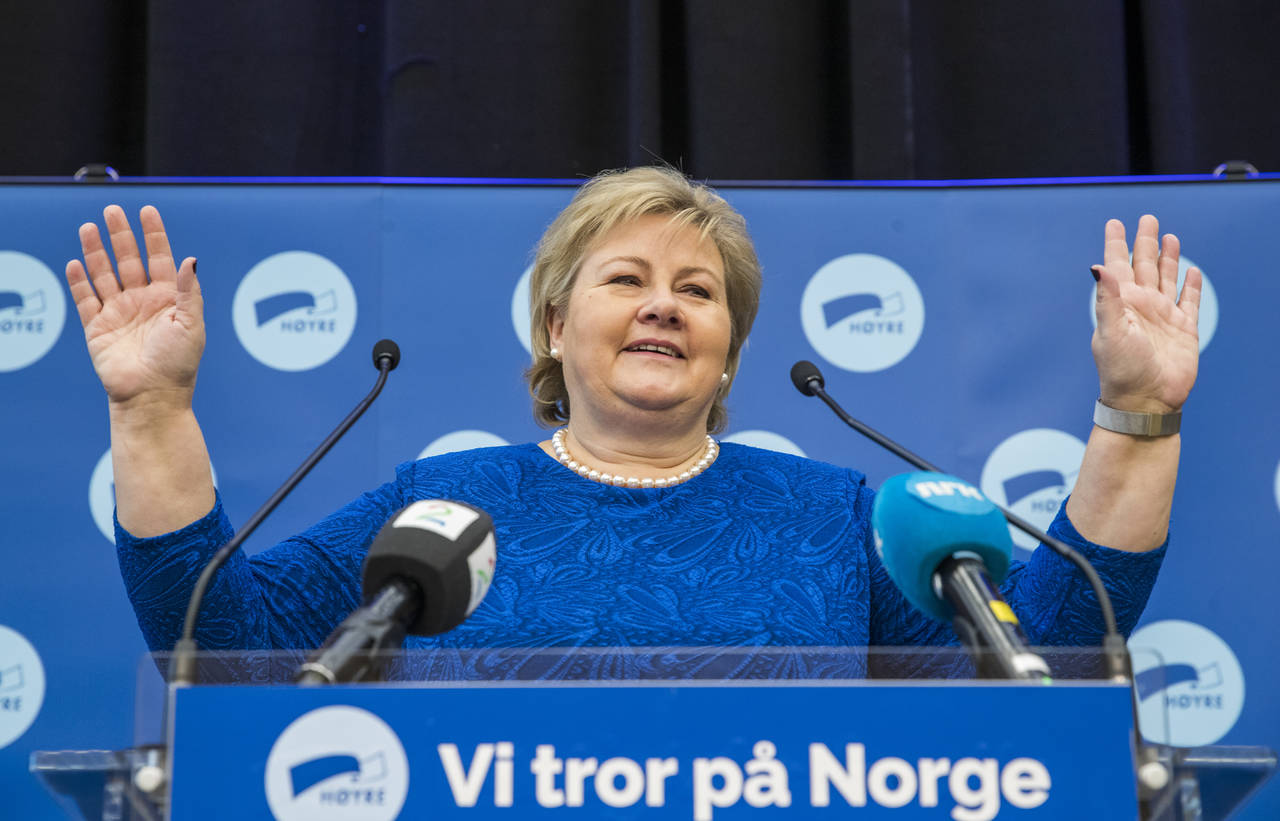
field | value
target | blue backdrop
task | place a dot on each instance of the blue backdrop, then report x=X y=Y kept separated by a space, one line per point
x=955 y=319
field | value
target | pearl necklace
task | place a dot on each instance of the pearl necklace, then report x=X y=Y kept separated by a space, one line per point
x=562 y=454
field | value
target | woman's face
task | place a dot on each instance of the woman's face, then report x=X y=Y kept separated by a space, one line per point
x=648 y=322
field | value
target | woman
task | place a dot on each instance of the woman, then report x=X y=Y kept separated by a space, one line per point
x=630 y=526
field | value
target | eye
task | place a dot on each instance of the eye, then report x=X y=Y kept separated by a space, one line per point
x=625 y=279
x=698 y=291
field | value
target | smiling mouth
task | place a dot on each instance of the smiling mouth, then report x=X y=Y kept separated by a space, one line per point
x=660 y=349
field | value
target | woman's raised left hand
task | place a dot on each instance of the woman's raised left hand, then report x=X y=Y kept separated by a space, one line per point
x=1146 y=346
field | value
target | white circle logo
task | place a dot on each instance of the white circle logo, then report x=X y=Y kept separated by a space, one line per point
x=520 y=310
x=766 y=439
x=1278 y=486
x=102 y=495
x=337 y=763
x=462 y=440
x=21 y=685
x=862 y=312
x=1190 y=685
x=1206 y=325
x=294 y=311
x=1031 y=473
x=32 y=310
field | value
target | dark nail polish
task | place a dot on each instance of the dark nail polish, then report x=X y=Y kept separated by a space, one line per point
x=196 y=262
x=1096 y=275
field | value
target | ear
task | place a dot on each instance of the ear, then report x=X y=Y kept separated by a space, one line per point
x=555 y=326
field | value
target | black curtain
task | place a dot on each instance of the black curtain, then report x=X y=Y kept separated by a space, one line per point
x=725 y=89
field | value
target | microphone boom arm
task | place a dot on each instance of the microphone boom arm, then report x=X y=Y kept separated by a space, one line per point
x=808 y=381
x=385 y=357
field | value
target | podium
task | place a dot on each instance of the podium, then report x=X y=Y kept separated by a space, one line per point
x=643 y=733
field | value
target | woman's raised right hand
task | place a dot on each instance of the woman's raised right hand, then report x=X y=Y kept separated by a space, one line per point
x=145 y=327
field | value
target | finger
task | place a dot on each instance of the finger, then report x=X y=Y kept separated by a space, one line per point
x=1167 y=265
x=1108 y=306
x=1189 y=302
x=190 y=297
x=1146 y=249
x=1115 y=251
x=125 y=248
x=159 y=255
x=82 y=293
x=97 y=262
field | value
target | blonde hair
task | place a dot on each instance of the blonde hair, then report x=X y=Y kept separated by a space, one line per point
x=602 y=203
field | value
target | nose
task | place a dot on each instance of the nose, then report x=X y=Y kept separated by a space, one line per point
x=661 y=308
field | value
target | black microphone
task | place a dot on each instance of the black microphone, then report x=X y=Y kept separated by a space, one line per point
x=427 y=570
x=386 y=352
x=808 y=380
x=386 y=356
x=941 y=542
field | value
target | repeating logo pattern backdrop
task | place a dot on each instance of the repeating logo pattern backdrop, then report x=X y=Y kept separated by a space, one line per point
x=943 y=317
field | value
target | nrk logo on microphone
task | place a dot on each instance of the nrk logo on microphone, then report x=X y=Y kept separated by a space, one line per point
x=1189 y=682
x=294 y=311
x=862 y=312
x=1031 y=473
x=21 y=685
x=341 y=763
x=450 y=519
x=32 y=310
x=1208 y=321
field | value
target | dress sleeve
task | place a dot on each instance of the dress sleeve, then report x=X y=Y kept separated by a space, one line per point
x=291 y=595
x=1051 y=598
x=1054 y=601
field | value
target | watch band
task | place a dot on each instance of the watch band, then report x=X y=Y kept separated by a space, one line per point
x=1136 y=424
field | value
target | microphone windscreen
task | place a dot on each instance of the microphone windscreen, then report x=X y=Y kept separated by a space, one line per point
x=447 y=549
x=804 y=372
x=921 y=519
x=385 y=348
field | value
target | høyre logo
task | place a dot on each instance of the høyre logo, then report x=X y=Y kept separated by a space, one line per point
x=1208 y=321
x=766 y=439
x=462 y=440
x=1031 y=473
x=294 y=311
x=1189 y=682
x=21 y=685
x=337 y=763
x=1278 y=486
x=862 y=312
x=102 y=495
x=32 y=310
x=520 y=310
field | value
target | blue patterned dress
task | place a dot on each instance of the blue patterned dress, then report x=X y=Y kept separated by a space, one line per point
x=762 y=549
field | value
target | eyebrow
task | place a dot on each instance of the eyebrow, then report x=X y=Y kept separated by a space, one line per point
x=644 y=263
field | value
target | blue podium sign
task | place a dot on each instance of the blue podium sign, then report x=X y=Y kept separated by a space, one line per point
x=962 y=750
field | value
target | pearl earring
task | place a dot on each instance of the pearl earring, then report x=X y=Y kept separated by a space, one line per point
x=555 y=354
x=724 y=379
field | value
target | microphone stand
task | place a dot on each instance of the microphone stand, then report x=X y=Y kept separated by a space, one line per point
x=386 y=355
x=153 y=777
x=1152 y=775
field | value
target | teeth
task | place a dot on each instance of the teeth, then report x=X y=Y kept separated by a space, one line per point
x=655 y=349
